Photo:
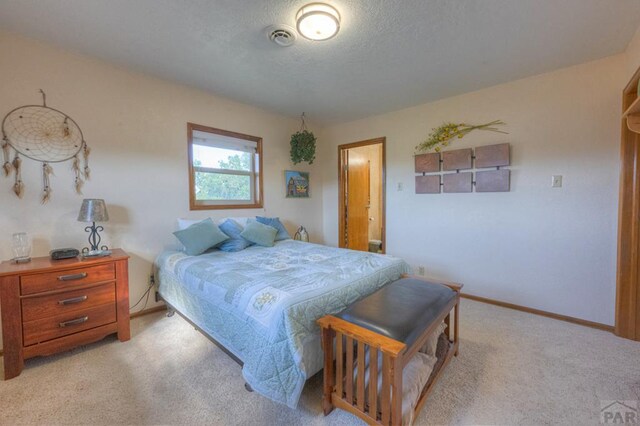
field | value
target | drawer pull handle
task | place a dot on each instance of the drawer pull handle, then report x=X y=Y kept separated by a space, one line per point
x=74 y=321
x=72 y=300
x=72 y=277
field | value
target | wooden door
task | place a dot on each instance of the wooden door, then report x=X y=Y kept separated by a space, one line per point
x=359 y=239
x=357 y=204
x=628 y=274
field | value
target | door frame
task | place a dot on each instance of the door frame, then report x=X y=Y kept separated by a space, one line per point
x=627 y=323
x=342 y=182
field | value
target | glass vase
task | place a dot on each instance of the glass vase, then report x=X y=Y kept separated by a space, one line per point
x=21 y=244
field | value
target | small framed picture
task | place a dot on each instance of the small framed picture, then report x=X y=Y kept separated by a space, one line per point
x=297 y=184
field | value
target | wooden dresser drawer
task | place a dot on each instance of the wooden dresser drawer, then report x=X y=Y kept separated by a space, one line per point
x=39 y=307
x=67 y=279
x=68 y=323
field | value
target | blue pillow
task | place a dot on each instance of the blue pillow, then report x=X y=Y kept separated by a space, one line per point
x=261 y=234
x=275 y=222
x=200 y=237
x=235 y=241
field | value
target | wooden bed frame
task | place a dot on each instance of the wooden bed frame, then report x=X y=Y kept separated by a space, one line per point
x=395 y=356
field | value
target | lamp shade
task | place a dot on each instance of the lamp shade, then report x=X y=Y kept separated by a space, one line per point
x=93 y=210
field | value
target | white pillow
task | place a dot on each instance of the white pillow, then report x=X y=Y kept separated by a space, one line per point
x=431 y=344
x=185 y=223
x=241 y=220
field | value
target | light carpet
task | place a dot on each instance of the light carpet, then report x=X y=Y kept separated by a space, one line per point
x=513 y=368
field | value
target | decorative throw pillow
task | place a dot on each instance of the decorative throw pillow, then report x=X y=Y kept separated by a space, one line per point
x=275 y=222
x=235 y=242
x=431 y=344
x=200 y=237
x=240 y=220
x=259 y=233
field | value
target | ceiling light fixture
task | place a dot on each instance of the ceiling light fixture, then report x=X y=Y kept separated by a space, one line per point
x=318 y=21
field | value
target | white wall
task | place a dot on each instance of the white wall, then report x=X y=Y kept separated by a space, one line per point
x=136 y=127
x=633 y=54
x=548 y=248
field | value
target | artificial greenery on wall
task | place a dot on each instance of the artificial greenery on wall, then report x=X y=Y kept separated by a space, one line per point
x=442 y=136
x=303 y=145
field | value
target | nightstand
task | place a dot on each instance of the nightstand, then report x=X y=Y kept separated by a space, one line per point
x=49 y=306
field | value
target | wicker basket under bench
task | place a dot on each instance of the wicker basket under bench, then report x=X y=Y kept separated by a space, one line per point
x=404 y=314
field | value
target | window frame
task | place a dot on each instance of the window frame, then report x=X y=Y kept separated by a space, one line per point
x=257 y=187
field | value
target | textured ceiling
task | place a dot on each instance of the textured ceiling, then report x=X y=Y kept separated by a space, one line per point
x=389 y=54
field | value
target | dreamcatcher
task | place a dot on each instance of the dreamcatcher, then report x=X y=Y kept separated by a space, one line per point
x=46 y=135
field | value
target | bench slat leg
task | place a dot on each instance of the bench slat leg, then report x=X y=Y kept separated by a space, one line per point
x=349 y=370
x=455 y=324
x=396 y=397
x=327 y=344
x=373 y=383
x=339 y=360
x=447 y=321
x=361 y=373
x=386 y=388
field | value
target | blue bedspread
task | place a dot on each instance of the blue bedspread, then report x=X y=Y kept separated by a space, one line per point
x=262 y=303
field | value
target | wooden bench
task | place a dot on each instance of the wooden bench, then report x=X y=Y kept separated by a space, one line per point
x=396 y=322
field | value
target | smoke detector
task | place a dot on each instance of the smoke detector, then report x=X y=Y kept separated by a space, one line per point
x=282 y=35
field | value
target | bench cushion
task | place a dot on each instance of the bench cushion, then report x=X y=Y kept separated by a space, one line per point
x=401 y=310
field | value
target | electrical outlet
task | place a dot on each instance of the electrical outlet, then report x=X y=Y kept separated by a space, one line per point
x=421 y=270
x=400 y=186
x=556 y=181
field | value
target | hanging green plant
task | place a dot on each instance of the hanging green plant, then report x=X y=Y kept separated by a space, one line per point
x=303 y=145
x=442 y=136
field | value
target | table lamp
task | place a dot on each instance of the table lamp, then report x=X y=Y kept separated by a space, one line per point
x=93 y=210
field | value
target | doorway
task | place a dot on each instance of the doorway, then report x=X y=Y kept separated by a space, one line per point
x=362 y=182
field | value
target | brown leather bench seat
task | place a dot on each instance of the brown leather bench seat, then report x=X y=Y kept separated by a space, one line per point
x=400 y=310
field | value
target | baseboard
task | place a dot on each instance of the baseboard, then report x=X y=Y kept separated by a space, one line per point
x=148 y=311
x=565 y=318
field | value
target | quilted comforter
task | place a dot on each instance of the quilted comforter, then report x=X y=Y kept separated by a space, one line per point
x=262 y=303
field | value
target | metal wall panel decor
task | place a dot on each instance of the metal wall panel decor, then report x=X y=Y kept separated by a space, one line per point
x=492 y=156
x=457 y=182
x=459 y=159
x=427 y=163
x=493 y=180
x=429 y=184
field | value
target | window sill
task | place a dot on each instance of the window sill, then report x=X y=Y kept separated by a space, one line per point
x=224 y=206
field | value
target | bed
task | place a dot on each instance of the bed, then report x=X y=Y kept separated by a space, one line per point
x=262 y=303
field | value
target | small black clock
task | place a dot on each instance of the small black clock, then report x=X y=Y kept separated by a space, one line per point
x=63 y=253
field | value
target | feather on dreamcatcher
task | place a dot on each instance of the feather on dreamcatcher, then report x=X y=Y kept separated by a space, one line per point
x=46 y=135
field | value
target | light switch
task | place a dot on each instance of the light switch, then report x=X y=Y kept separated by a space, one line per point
x=556 y=181
x=400 y=186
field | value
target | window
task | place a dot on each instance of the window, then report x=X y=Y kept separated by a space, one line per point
x=225 y=169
